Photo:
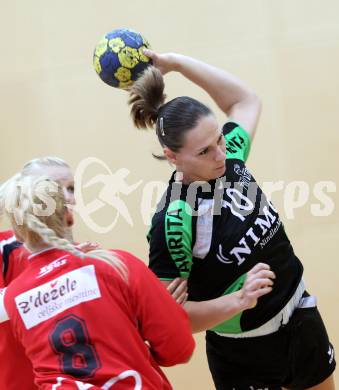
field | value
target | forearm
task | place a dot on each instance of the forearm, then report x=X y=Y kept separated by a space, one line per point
x=207 y=314
x=225 y=89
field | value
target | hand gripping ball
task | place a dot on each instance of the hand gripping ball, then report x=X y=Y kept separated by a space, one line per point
x=118 y=57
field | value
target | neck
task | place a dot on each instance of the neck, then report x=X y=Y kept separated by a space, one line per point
x=186 y=179
x=68 y=234
x=181 y=177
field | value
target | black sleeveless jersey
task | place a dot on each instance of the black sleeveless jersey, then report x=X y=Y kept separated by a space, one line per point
x=214 y=232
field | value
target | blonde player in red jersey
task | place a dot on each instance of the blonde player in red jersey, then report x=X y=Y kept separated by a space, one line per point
x=95 y=321
x=13 y=260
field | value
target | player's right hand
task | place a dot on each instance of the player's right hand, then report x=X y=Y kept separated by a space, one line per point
x=259 y=281
x=164 y=62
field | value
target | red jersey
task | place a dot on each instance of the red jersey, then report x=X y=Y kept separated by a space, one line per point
x=16 y=369
x=83 y=326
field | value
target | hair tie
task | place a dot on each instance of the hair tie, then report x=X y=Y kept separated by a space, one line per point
x=161 y=126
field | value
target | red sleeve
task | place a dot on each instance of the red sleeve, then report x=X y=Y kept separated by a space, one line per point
x=2 y=279
x=5 y=236
x=13 y=257
x=18 y=262
x=162 y=322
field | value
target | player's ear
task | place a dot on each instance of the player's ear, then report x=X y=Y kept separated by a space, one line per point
x=170 y=155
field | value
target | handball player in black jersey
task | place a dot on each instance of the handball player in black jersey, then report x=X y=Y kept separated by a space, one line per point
x=214 y=224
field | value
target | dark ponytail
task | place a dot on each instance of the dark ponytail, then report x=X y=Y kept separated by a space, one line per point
x=146 y=96
x=171 y=120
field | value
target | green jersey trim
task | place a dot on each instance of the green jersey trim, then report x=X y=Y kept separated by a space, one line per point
x=233 y=324
x=178 y=232
x=238 y=144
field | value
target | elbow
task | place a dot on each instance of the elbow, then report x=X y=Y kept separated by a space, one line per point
x=185 y=357
x=181 y=357
x=256 y=101
x=248 y=102
x=251 y=101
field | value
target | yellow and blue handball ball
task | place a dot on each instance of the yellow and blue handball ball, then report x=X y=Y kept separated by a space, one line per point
x=119 y=59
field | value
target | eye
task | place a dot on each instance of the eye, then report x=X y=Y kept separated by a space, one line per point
x=70 y=189
x=203 y=152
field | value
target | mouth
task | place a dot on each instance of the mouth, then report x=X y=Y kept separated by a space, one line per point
x=69 y=216
x=70 y=220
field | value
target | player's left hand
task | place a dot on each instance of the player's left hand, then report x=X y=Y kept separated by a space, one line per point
x=178 y=289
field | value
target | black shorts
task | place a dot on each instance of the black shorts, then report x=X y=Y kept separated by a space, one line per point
x=297 y=356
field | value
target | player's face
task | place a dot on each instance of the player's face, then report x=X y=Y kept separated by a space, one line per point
x=202 y=157
x=64 y=176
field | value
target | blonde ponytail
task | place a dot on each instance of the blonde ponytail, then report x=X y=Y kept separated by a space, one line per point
x=49 y=237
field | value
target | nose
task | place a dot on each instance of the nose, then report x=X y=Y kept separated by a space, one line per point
x=220 y=154
x=69 y=197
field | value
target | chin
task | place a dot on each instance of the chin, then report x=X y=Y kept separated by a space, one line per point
x=217 y=175
x=68 y=234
